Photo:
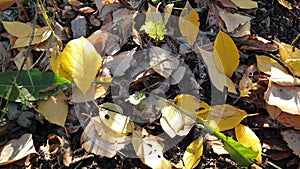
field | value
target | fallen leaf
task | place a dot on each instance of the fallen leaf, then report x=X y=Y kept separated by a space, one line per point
x=172 y=120
x=289 y=120
x=285 y=4
x=225 y=55
x=19 y=59
x=284 y=97
x=290 y=56
x=167 y=12
x=236 y=24
x=191 y=104
x=193 y=153
x=218 y=79
x=75 y=2
x=281 y=78
x=55 y=109
x=245 y=4
x=163 y=62
x=292 y=137
x=22 y=30
x=149 y=149
x=216 y=145
x=80 y=61
x=189 y=23
x=4 y=4
x=265 y=63
x=16 y=149
x=257 y=43
x=226 y=116
x=227 y=3
x=86 y=10
x=248 y=138
x=24 y=41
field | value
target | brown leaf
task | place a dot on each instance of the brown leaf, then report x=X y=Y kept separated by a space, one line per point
x=292 y=137
x=86 y=10
x=4 y=4
x=227 y=3
x=257 y=43
x=75 y=3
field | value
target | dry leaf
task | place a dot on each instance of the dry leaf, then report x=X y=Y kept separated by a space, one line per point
x=257 y=43
x=79 y=61
x=284 y=97
x=225 y=55
x=189 y=23
x=237 y=25
x=248 y=138
x=227 y=3
x=153 y=15
x=285 y=4
x=4 y=4
x=290 y=56
x=167 y=12
x=86 y=10
x=273 y=111
x=245 y=4
x=24 y=41
x=265 y=63
x=281 y=78
x=163 y=62
x=289 y=120
x=16 y=149
x=75 y=2
x=55 y=109
x=193 y=153
x=172 y=120
x=226 y=116
x=292 y=137
x=20 y=58
x=149 y=149
x=190 y=104
x=218 y=79
x=22 y=30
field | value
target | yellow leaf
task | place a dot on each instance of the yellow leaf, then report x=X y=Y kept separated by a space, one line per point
x=172 y=120
x=248 y=138
x=24 y=41
x=286 y=51
x=226 y=116
x=245 y=4
x=22 y=30
x=189 y=23
x=191 y=104
x=167 y=12
x=265 y=63
x=81 y=61
x=226 y=55
x=116 y=121
x=55 y=109
x=218 y=79
x=193 y=153
x=55 y=62
x=149 y=149
x=285 y=4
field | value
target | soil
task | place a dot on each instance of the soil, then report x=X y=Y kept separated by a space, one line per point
x=270 y=21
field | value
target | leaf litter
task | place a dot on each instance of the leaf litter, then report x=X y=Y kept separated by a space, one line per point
x=119 y=65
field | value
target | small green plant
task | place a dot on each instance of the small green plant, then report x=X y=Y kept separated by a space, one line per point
x=156 y=31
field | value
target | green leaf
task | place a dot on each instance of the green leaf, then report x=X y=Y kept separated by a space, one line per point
x=31 y=85
x=156 y=31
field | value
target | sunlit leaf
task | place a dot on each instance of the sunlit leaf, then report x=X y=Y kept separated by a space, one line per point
x=292 y=138
x=172 y=120
x=265 y=63
x=156 y=31
x=189 y=23
x=55 y=109
x=285 y=4
x=193 y=153
x=149 y=149
x=22 y=30
x=226 y=116
x=218 y=79
x=81 y=61
x=248 y=138
x=226 y=55
x=245 y=4
x=191 y=104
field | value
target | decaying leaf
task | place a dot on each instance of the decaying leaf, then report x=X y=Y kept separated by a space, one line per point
x=248 y=138
x=4 y=4
x=189 y=23
x=167 y=12
x=281 y=78
x=20 y=58
x=225 y=55
x=163 y=62
x=171 y=121
x=287 y=98
x=86 y=9
x=149 y=149
x=265 y=63
x=16 y=149
x=292 y=137
x=193 y=153
x=79 y=61
x=245 y=4
x=226 y=116
x=75 y=2
x=290 y=56
x=218 y=79
x=236 y=24
x=55 y=109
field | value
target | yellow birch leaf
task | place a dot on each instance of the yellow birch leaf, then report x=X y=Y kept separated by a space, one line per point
x=22 y=30
x=285 y=4
x=189 y=23
x=248 y=138
x=81 y=60
x=191 y=104
x=265 y=63
x=294 y=64
x=226 y=55
x=172 y=120
x=226 y=116
x=55 y=62
x=218 y=79
x=245 y=4
x=193 y=153
x=286 y=51
x=55 y=109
